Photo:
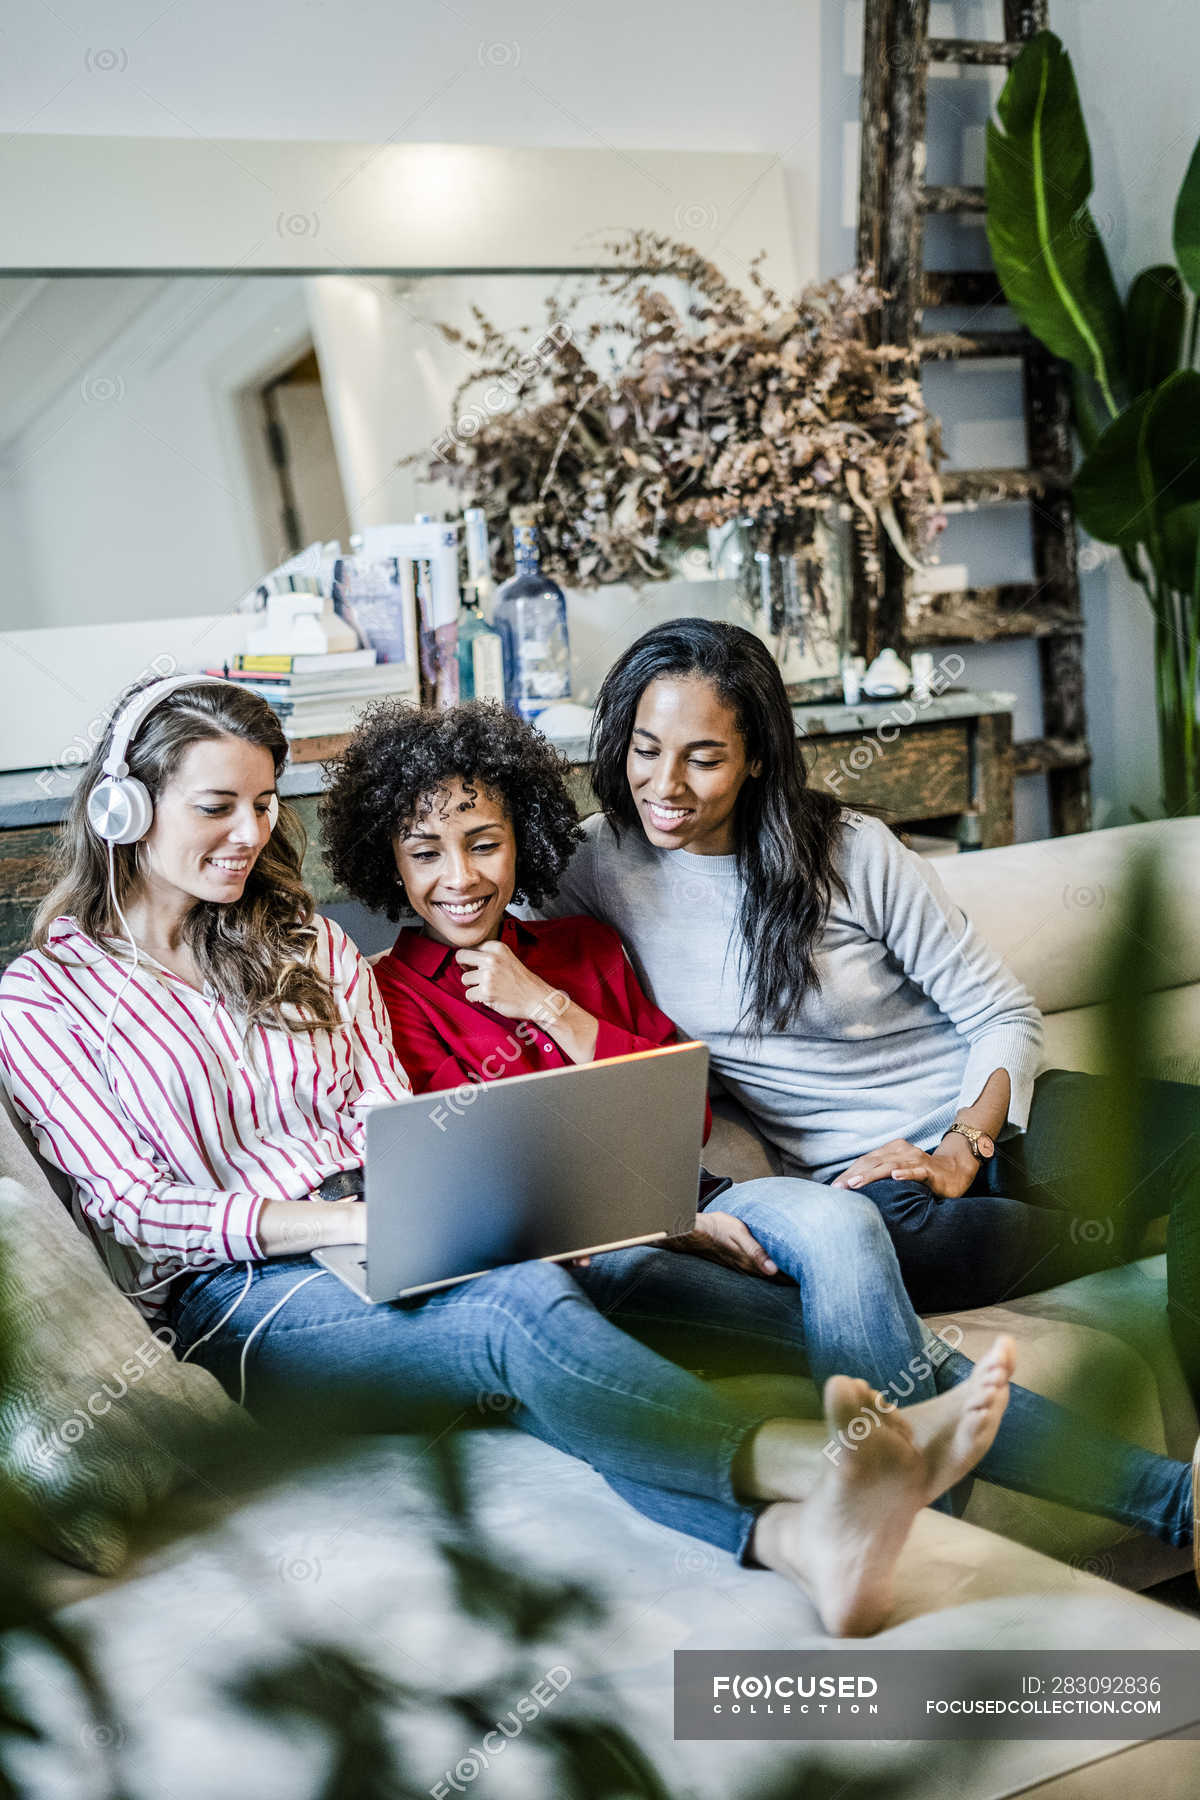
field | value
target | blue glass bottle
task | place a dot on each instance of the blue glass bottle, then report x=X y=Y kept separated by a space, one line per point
x=480 y=652
x=531 y=617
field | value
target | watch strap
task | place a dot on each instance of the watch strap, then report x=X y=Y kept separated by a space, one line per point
x=972 y=1133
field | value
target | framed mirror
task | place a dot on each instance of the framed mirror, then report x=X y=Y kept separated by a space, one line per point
x=211 y=355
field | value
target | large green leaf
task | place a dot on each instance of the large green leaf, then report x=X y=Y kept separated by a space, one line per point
x=1087 y=409
x=1181 y=549
x=1145 y=466
x=1045 y=244
x=1155 y=313
x=1187 y=224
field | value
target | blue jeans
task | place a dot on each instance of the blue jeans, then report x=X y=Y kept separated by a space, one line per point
x=524 y=1340
x=589 y=1360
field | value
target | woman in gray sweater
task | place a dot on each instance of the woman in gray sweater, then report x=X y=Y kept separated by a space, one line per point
x=849 y=1005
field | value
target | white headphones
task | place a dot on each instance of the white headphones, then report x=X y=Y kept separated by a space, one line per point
x=119 y=807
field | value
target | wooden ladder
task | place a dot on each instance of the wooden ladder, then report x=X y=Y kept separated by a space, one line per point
x=894 y=202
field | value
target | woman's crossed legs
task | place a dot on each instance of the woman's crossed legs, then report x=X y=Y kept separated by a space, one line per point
x=848 y=1310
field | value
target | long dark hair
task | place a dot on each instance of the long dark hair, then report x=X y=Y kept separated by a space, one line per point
x=784 y=830
x=258 y=952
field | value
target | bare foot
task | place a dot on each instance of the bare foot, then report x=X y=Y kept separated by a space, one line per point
x=841 y=1543
x=954 y=1430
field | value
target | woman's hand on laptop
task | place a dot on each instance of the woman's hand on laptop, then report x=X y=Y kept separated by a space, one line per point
x=727 y=1240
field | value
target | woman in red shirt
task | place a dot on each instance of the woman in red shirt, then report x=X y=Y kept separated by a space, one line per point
x=473 y=993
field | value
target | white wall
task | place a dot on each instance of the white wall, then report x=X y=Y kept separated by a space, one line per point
x=616 y=80
x=621 y=76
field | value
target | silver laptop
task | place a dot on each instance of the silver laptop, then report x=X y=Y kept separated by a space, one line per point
x=563 y=1163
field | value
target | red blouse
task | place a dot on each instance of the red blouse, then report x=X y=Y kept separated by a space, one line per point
x=444 y=1039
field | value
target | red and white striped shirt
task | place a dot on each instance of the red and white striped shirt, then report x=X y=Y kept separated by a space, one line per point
x=172 y=1160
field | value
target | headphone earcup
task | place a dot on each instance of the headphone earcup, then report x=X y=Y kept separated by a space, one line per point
x=273 y=811
x=120 y=810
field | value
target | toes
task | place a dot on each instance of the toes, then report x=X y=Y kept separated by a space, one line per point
x=841 y=1399
x=1001 y=1354
x=845 y=1395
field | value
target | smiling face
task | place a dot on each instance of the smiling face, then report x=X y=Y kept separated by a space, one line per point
x=210 y=823
x=686 y=765
x=458 y=862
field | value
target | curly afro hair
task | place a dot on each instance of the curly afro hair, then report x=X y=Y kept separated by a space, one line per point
x=399 y=756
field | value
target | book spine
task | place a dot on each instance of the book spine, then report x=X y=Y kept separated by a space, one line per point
x=264 y=664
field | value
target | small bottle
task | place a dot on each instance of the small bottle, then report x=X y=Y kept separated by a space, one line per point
x=531 y=617
x=479 y=559
x=480 y=652
x=853 y=670
x=438 y=644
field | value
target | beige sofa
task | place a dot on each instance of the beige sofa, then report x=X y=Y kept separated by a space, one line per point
x=1014 y=1574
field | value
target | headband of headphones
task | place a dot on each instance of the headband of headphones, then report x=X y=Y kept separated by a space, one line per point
x=129 y=721
x=119 y=807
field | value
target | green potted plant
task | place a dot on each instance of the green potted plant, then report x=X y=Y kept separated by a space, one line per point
x=1135 y=384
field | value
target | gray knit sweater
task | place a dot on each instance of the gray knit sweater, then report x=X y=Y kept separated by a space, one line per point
x=913 y=1014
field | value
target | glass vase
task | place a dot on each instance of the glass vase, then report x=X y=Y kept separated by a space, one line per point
x=798 y=599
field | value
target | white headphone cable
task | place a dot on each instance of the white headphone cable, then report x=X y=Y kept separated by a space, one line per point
x=265 y=1320
x=222 y=1319
x=129 y=974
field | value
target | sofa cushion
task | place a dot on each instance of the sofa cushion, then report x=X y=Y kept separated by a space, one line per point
x=735 y=1147
x=1173 y=1028
x=1048 y=907
x=95 y=1411
x=1063 y=1355
x=1101 y=1379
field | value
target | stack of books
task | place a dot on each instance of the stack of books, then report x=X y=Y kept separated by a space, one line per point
x=318 y=696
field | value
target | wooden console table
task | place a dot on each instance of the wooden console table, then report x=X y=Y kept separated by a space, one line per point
x=945 y=767
x=949 y=770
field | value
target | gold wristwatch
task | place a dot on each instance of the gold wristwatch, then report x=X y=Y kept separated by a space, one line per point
x=981 y=1144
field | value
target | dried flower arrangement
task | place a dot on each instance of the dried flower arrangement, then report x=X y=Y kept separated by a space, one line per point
x=741 y=407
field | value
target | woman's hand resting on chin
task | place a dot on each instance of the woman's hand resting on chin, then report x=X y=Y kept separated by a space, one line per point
x=493 y=976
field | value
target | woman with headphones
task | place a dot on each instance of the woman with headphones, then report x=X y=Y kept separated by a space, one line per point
x=197 y=1050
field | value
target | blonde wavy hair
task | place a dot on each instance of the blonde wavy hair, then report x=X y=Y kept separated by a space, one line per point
x=259 y=951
